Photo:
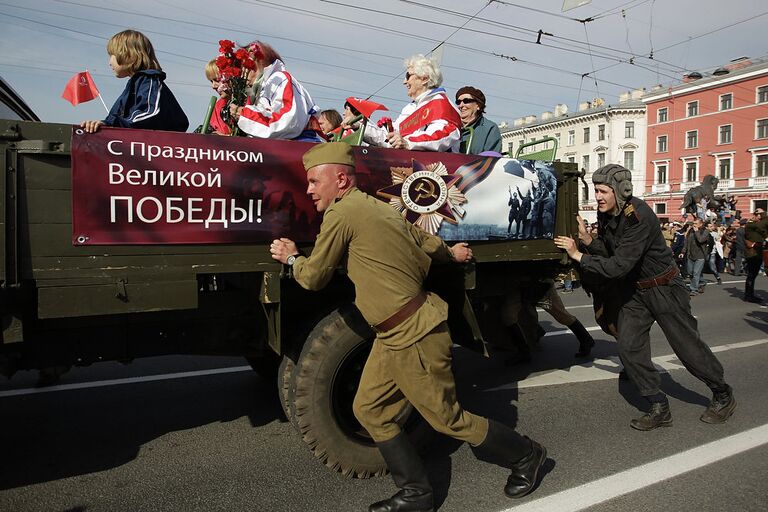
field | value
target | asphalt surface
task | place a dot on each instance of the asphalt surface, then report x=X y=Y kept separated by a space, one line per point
x=219 y=442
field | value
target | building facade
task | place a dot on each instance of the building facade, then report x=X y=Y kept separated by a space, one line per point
x=714 y=125
x=596 y=135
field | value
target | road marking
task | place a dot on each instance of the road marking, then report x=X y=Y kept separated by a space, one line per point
x=640 y=477
x=129 y=380
x=599 y=369
x=605 y=369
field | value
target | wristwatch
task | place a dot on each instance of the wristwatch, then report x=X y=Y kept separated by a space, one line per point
x=291 y=260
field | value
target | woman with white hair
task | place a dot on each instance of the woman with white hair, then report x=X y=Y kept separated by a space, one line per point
x=430 y=122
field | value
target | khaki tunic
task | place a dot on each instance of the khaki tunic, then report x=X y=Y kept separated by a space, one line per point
x=387 y=260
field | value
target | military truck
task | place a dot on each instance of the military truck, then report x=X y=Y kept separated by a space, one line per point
x=109 y=251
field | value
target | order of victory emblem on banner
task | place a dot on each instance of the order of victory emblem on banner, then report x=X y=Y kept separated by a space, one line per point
x=425 y=195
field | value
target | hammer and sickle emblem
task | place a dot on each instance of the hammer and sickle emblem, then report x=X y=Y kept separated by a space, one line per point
x=425 y=114
x=426 y=189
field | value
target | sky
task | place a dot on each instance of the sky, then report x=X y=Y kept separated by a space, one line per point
x=356 y=47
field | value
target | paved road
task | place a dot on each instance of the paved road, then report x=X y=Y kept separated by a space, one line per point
x=197 y=440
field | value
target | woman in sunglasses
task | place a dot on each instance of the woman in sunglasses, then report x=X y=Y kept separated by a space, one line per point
x=478 y=134
x=430 y=122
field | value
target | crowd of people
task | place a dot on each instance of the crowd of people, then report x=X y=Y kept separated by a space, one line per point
x=277 y=106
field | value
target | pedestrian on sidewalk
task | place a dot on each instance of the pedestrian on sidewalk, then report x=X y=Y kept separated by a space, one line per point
x=630 y=252
x=755 y=234
x=696 y=253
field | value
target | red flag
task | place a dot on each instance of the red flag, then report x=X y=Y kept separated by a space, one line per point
x=365 y=107
x=80 y=89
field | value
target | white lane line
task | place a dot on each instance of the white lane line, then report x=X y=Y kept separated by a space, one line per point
x=605 y=369
x=128 y=380
x=541 y=310
x=599 y=369
x=640 y=477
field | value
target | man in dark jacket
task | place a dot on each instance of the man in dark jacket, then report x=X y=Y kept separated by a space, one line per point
x=755 y=234
x=631 y=254
x=696 y=252
x=739 y=247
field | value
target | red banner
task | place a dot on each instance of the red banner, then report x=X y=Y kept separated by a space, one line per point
x=154 y=187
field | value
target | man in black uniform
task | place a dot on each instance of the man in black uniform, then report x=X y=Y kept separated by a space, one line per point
x=630 y=250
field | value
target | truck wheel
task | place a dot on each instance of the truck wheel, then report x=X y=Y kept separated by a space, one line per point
x=326 y=378
x=285 y=382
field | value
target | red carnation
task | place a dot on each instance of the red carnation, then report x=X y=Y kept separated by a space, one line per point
x=226 y=46
x=384 y=121
x=242 y=54
x=222 y=62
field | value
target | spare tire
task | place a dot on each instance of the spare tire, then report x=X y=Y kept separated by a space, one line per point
x=327 y=375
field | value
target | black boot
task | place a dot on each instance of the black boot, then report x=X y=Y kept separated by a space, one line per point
x=527 y=457
x=749 y=293
x=408 y=473
x=585 y=339
x=721 y=407
x=523 y=351
x=658 y=416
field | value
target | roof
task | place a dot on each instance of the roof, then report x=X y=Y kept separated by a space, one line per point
x=629 y=104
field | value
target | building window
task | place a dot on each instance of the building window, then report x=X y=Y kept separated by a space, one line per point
x=629 y=160
x=572 y=159
x=691 y=170
x=762 y=94
x=584 y=193
x=762 y=128
x=693 y=108
x=601 y=132
x=557 y=137
x=629 y=130
x=692 y=139
x=724 y=168
x=726 y=101
x=661 y=174
x=661 y=115
x=761 y=165
x=586 y=135
x=571 y=137
x=600 y=160
x=520 y=142
x=725 y=134
x=661 y=208
x=585 y=162
x=661 y=144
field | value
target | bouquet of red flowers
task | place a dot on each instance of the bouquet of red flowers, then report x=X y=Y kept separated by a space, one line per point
x=234 y=65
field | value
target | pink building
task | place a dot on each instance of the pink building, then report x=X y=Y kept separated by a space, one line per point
x=715 y=124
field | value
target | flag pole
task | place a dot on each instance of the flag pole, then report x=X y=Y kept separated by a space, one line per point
x=102 y=102
x=102 y=99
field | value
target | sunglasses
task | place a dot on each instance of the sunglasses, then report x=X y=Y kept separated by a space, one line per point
x=408 y=75
x=466 y=101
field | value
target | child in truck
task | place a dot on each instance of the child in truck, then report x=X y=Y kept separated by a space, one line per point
x=146 y=102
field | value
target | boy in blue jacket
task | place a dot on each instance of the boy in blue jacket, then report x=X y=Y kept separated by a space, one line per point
x=146 y=102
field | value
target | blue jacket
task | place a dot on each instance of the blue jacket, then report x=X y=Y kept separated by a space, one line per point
x=147 y=103
x=482 y=135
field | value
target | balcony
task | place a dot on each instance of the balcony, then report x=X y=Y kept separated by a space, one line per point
x=688 y=185
x=657 y=188
x=726 y=184
x=758 y=181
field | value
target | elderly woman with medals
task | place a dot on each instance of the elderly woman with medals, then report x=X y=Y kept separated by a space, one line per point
x=430 y=122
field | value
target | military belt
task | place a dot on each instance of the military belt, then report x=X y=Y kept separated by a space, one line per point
x=659 y=280
x=402 y=314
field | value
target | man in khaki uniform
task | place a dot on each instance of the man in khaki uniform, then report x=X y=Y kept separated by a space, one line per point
x=387 y=259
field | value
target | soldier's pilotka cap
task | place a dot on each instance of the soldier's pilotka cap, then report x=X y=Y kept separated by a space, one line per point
x=329 y=153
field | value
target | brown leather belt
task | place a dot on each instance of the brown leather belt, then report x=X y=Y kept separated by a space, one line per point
x=402 y=314
x=661 y=280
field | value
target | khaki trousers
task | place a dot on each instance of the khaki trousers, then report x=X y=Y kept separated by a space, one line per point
x=420 y=374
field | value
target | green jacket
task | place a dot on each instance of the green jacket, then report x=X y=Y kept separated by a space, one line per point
x=387 y=259
x=482 y=135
